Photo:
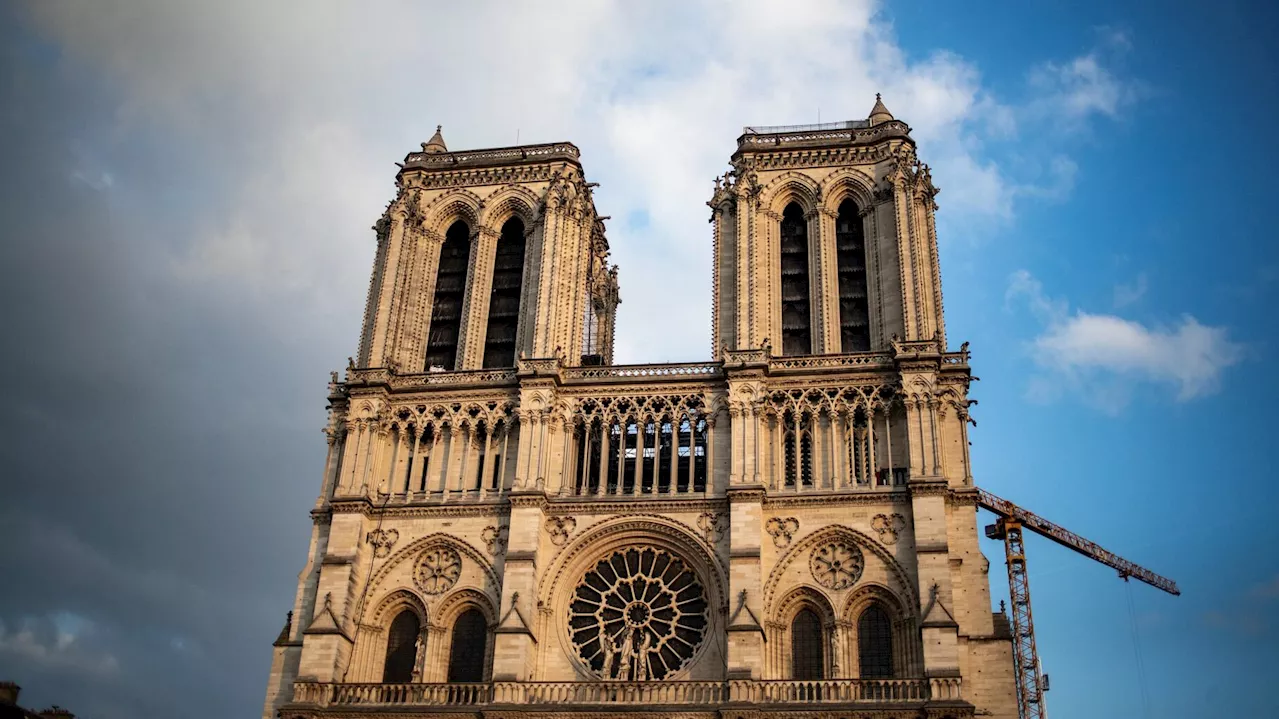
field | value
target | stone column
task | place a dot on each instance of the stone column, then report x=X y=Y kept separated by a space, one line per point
x=514 y=654
x=746 y=604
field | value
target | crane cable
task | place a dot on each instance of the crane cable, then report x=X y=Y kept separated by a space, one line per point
x=1137 y=651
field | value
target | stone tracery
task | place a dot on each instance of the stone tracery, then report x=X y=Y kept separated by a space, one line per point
x=638 y=614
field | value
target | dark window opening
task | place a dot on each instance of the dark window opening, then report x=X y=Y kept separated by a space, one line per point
x=504 y=296
x=466 y=652
x=807 y=646
x=851 y=268
x=794 y=247
x=797 y=449
x=875 y=644
x=446 y=308
x=402 y=648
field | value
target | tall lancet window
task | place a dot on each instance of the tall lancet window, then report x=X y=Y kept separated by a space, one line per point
x=807 y=661
x=446 y=310
x=795 y=282
x=875 y=644
x=402 y=648
x=851 y=265
x=504 y=297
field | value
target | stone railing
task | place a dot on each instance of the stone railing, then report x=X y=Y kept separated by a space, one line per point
x=859 y=359
x=608 y=692
x=702 y=693
x=502 y=155
x=829 y=690
x=461 y=377
x=688 y=369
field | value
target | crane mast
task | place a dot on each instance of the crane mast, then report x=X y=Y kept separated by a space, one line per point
x=1011 y=520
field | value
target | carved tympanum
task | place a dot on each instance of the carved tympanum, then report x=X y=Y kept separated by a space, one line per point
x=437 y=569
x=836 y=565
x=638 y=615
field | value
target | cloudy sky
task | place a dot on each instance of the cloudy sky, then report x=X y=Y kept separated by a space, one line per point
x=187 y=191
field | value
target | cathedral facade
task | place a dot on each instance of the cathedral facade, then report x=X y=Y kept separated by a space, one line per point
x=509 y=523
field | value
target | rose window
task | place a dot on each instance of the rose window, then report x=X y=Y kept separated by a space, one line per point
x=836 y=565
x=638 y=615
x=437 y=569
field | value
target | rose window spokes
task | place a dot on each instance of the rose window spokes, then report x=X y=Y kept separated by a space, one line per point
x=836 y=565
x=437 y=569
x=638 y=615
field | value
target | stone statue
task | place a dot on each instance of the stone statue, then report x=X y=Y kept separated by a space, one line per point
x=628 y=654
x=642 y=658
x=606 y=644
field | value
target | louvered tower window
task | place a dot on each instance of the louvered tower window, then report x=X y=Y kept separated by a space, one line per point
x=466 y=654
x=504 y=297
x=794 y=248
x=446 y=309
x=402 y=648
x=851 y=266
x=806 y=646
x=875 y=644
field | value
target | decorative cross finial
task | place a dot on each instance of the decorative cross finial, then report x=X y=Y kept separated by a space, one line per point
x=440 y=127
x=877 y=96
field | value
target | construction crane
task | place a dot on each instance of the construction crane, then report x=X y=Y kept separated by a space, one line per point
x=1011 y=520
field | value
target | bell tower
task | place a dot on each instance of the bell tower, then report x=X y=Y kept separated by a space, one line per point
x=485 y=256
x=825 y=241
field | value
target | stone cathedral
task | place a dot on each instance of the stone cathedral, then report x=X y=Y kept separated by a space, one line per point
x=510 y=523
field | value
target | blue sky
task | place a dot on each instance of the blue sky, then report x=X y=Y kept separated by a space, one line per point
x=188 y=189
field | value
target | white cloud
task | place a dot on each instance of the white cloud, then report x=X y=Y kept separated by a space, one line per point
x=307 y=109
x=1127 y=293
x=1072 y=92
x=1101 y=357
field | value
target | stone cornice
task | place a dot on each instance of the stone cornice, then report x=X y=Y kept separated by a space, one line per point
x=895 y=496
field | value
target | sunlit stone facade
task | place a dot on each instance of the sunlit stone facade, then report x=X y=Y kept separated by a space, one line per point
x=509 y=523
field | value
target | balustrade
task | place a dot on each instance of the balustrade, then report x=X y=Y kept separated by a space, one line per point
x=703 y=693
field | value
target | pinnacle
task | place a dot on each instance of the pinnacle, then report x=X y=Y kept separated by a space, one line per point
x=879 y=113
x=436 y=143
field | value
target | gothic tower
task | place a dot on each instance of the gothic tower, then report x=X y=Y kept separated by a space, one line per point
x=510 y=523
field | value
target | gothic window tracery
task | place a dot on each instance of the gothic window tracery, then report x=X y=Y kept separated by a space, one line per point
x=446 y=307
x=467 y=647
x=504 y=296
x=851 y=268
x=402 y=648
x=794 y=250
x=641 y=445
x=638 y=615
x=797 y=441
x=875 y=643
x=807 y=646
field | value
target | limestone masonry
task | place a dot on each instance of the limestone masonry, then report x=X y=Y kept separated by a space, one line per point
x=510 y=524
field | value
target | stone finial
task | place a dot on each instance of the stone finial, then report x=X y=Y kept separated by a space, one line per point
x=436 y=143
x=879 y=113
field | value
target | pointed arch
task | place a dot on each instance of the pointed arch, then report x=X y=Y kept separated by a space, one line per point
x=506 y=288
x=511 y=201
x=847 y=183
x=791 y=187
x=898 y=580
x=446 y=306
x=875 y=643
x=851 y=274
x=456 y=204
x=401 y=655
x=793 y=247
